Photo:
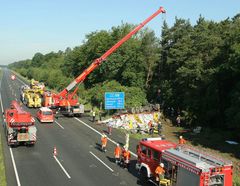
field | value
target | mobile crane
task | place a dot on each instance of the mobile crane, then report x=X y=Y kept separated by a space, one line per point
x=66 y=101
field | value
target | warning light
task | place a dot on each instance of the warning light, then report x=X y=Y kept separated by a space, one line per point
x=13 y=77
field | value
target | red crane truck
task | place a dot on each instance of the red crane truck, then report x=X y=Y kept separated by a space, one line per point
x=19 y=126
x=66 y=101
x=184 y=165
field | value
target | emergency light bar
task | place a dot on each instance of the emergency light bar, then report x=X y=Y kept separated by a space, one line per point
x=152 y=139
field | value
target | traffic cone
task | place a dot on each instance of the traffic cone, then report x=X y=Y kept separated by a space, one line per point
x=54 y=151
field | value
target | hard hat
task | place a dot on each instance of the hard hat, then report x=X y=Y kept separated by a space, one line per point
x=180 y=137
x=118 y=144
x=161 y=165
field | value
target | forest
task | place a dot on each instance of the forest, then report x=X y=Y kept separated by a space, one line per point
x=191 y=68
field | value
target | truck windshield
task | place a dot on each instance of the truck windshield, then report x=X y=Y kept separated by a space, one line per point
x=47 y=113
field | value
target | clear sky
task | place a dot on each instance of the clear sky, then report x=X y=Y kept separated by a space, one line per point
x=30 y=26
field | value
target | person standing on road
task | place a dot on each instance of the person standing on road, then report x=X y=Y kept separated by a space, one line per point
x=178 y=121
x=150 y=127
x=159 y=128
x=93 y=115
x=104 y=142
x=160 y=172
x=181 y=140
x=100 y=115
x=110 y=128
x=126 y=158
x=117 y=153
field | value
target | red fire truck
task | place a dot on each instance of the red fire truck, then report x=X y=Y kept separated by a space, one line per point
x=184 y=166
x=19 y=125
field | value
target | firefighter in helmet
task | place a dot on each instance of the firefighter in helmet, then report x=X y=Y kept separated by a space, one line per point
x=104 y=142
x=181 y=140
x=160 y=172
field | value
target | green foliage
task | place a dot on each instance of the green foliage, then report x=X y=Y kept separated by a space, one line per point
x=193 y=68
x=196 y=68
x=134 y=96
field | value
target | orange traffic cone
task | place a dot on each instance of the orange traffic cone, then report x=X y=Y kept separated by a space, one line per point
x=55 y=151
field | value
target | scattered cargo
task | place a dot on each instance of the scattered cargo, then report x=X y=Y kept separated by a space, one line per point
x=134 y=122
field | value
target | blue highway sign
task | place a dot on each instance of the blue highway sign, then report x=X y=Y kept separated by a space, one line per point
x=114 y=100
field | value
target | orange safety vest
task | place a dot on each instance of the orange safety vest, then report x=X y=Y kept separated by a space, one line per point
x=126 y=155
x=104 y=141
x=150 y=124
x=159 y=170
x=182 y=141
x=117 y=152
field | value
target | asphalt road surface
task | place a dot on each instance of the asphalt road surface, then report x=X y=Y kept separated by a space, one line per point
x=79 y=160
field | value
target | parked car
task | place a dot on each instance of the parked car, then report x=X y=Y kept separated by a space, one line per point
x=45 y=115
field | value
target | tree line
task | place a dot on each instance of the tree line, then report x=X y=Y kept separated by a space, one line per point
x=193 y=68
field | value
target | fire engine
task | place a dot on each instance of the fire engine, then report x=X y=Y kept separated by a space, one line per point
x=183 y=165
x=19 y=125
x=67 y=101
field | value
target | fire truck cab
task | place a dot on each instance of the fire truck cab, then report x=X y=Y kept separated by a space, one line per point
x=183 y=165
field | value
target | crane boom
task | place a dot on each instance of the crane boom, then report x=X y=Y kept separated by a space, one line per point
x=98 y=61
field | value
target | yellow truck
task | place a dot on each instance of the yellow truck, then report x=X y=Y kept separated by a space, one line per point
x=32 y=98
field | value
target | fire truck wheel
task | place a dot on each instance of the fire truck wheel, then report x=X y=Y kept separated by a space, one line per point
x=30 y=145
x=143 y=175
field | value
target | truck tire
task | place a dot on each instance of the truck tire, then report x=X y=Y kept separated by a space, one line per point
x=143 y=175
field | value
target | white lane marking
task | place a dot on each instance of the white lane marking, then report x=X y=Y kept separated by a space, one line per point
x=1 y=101
x=101 y=161
x=15 y=167
x=135 y=155
x=21 y=81
x=62 y=167
x=59 y=125
x=11 y=153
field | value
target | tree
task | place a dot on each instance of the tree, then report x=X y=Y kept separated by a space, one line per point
x=37 y=59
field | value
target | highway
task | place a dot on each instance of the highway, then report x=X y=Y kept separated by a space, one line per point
x=79 y=160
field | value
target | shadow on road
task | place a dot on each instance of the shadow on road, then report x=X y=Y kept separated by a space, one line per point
x=98 y=147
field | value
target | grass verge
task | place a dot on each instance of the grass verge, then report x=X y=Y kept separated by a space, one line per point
x=2 y=167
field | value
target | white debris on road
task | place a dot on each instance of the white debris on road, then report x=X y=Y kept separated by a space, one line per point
x=133 y=121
